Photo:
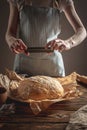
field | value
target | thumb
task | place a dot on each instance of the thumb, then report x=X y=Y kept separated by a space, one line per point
x=26 y=52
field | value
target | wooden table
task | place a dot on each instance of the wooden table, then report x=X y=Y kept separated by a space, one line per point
x=56 y=117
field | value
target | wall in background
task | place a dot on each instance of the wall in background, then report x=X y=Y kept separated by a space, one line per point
x=6 y=56
x=74 y=59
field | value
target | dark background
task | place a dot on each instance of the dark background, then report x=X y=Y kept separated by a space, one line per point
x=74 y=59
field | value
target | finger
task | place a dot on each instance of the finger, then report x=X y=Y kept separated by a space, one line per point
x=26 y=52
x=62 y=48
x=14 y=51
x=52 y=44
x=56 y=44
x=22 y=51
x=56 y=47
x=59 y=40
x=19 y=45
x=15 y=45
x=19 y=50
x=48 y=44
x=23 y=46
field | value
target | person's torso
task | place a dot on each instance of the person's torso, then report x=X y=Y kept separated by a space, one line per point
x=37 y=26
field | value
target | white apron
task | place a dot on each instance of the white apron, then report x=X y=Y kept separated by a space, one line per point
x=37 y=26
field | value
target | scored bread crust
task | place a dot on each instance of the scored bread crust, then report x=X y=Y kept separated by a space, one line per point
x=40 y=88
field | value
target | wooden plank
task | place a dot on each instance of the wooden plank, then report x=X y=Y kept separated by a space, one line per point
x=34 y=126
x=67 y=107
x=56 y=118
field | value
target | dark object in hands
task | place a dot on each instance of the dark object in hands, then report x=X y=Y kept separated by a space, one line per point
x=38 y=49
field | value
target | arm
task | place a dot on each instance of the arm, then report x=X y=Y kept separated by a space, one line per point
x=75 y=22
x=16 y=45
x=79 y=29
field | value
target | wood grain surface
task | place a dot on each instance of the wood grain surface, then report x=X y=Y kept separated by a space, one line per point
x=56 y=117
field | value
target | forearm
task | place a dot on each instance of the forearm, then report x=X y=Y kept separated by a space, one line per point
x=77 y=25
x=77 y=38
x=12 y=28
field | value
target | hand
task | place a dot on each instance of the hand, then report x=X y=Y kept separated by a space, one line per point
x=17 y=46
x=58 y=44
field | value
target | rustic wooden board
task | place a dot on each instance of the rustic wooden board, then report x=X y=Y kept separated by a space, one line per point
x=33 y=126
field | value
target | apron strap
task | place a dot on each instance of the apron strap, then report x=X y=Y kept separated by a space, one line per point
x=21 y=4
x=55 y=3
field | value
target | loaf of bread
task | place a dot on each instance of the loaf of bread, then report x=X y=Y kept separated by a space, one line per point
x=40 y=88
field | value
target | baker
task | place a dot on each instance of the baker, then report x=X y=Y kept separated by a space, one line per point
x=38 y=24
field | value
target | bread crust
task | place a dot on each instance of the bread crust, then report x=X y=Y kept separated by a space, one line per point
x=40 y=88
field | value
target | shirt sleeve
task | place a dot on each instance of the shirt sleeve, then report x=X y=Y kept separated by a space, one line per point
x=64 y=3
